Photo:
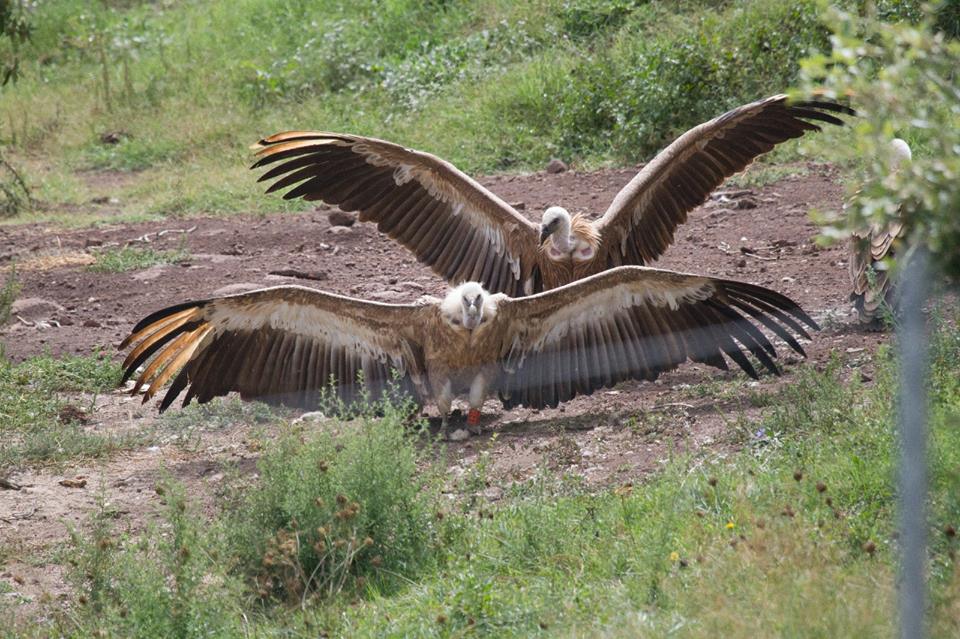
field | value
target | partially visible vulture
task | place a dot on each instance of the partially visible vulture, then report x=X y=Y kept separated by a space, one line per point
x=466 y=233
x=872 y=288
x=284 y=345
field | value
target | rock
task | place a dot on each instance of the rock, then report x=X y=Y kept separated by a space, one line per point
x=78 y=482
x=113 y=137
x=520 y=206
x=91 y=323
x=69 y=414
x=746 y=203
x=151 y=273
x=336 y=217
x=312 y=416
x=34 y=308
x=337 y=230
x=556 y=165
x=233 y=289
x=416 y=286
x=458 y=435
x=494 y=493
x=741 y=262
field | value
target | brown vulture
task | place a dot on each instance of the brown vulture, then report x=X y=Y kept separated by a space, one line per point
x=284 y=345
x=466 y=233
x=872 y=288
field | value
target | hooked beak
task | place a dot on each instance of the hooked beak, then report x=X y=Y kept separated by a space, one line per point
x=471 y=318
x=545 y=232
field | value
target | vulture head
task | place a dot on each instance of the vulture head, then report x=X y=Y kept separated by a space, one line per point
x=467 y=305
x=556 y=220
x=899 y=151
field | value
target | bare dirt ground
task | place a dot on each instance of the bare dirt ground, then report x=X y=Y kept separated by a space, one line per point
x=615 y=436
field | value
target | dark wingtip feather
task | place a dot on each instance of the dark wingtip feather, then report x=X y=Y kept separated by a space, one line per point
x=179 y=383
x=827 y=105
x=164 y=312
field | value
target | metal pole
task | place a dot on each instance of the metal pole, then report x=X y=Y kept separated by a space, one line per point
x=914 y=286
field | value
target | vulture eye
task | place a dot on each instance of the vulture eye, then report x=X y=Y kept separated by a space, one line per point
x=455 y=321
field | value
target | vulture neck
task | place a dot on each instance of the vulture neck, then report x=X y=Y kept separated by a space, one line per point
x=563 y=239
x=573 y=235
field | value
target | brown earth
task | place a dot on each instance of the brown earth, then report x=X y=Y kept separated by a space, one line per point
x=614 y=436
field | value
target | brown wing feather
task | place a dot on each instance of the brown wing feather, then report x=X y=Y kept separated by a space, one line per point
x=640 y=223
x=265 y=344
x=872 y=287
x=418 y=199
x=636 y=323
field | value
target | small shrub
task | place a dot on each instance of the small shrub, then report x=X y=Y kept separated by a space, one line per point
x=169 y=583
x=8 y=294
x=15 y=197
x=332 y=512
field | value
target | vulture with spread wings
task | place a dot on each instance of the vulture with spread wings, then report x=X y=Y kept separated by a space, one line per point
x=466 y=233
x=286 y=344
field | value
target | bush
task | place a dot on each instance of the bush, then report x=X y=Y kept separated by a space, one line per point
x=335 y=512
x=903 y=79
x=639 y=94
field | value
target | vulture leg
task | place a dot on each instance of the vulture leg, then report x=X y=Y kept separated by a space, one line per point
x=478 y=392
x=444 y=401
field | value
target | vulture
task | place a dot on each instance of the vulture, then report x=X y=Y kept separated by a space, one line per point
x=288 y=344
x=872 y=288
x=466 y=233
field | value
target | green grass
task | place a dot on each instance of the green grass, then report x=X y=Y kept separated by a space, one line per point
x=8 y=294
x=491 y=85
x=748 y=544
x=35 y=428
x=131 y=258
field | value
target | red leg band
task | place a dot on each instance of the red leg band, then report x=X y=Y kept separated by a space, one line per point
x=473 y=417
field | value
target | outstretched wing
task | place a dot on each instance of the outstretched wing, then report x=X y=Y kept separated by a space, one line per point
x=635 y=323
x=282 y=345
x=641 y=221
x=450 y=222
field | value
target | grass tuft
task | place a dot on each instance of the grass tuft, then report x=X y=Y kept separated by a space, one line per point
x=43 y=406
x=131 y=258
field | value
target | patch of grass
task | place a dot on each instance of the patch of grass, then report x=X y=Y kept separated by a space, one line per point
x=41 y=417
x=130 y=154
x=334 y=517
x=492 y=85
x=802 y=520
x=131 y=258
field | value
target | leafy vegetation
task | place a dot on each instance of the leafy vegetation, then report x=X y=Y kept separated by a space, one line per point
x=177 y=91
x=906 y=86
x=801 y=519
x=40 y=419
